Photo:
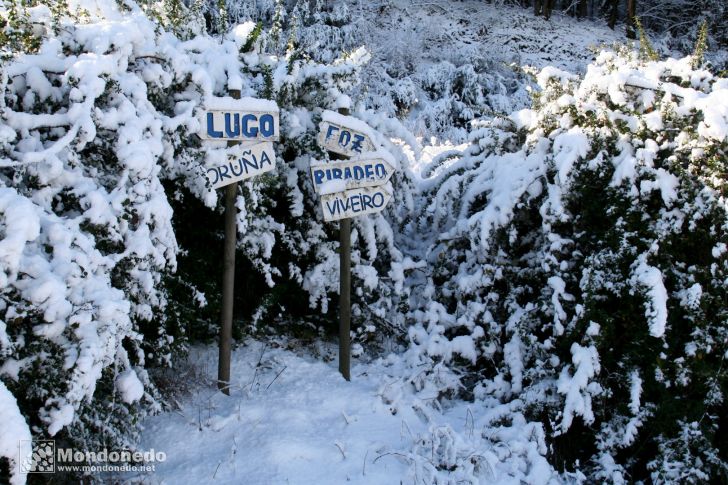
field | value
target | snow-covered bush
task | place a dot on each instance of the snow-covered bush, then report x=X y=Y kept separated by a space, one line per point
x=99 y=105
x=581 y=264
x=443 y=98
x=87 y=233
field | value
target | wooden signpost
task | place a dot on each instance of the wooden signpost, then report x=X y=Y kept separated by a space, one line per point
x=227 y=118
x=250 y=126
x=242 y=164
x=344 y=134
x=356 y=202
x=356 y=173
x=354 y=186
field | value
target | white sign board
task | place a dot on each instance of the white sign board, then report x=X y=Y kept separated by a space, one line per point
x=356 y=202
x=243 y=162
x=355 y=173
x=344 y=135
x=242 y=120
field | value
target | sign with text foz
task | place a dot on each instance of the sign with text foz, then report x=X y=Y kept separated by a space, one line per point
x=242 y=129
x=354 y=182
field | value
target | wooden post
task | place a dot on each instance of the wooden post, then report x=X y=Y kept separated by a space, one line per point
x=345 y=298
x=228 y=282
x=344 y=288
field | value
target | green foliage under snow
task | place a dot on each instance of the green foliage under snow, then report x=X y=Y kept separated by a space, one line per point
x=568 y=267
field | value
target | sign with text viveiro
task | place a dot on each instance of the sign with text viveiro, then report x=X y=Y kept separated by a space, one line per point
x=355 y=202
x=243 y=162
x=239 y=120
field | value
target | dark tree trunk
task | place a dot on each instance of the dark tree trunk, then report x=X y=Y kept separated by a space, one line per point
x=537 y=7
x=631 y=12
x=583 y=9
x=548 y=8
x=613 y=14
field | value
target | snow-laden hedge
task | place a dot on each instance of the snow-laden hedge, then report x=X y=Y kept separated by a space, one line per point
x=581 y=269
x=570 y=264
x=98 y=108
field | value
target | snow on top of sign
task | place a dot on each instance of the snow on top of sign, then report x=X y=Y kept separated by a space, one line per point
x=235 y=82
x=218 y=153
x=343 y=101
x=237 y=151
x=348 y=121
x=376 y=154
x=226 y=103
x=332 y=186
x=387 y=188
x=366 y=156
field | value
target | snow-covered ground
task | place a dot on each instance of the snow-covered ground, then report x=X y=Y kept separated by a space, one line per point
x=474 y=31
x=292 y=419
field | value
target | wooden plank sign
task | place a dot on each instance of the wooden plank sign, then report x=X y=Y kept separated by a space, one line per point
x=241 y=120
x=244 y=162
x=344 y=135
x=364 y=172
x=244 y=128
x=355 y=202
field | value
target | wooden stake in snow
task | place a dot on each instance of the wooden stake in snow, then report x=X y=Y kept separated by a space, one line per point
x=356 y=186
x=252 y=124
x=344 y=288
x=345 y=298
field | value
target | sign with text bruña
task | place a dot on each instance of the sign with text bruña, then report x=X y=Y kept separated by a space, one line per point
x=243 y=162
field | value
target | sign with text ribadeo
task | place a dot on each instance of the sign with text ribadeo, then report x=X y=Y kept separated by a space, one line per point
x=344 y=135
x=239 y=120
x=243 y=162
x=370 y=171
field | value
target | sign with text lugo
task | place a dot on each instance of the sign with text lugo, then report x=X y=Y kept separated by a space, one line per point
x=243 y=162
x=355 y=202
x=239 y=120
x=356 y=173
x=344 y=135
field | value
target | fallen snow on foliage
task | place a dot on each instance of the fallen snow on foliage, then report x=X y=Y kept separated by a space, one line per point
x=292 y=418
x=12 y=432
x=656 y=311
x=129 y=386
